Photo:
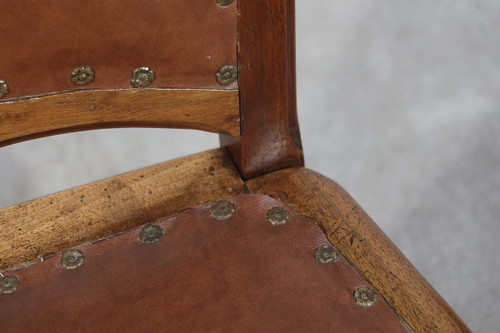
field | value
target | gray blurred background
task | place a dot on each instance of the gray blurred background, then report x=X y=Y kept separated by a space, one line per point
x=399 y=102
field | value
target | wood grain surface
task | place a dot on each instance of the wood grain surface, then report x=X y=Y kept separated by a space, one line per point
x=50 y=224
x=270 y=138
x=364 y=245
x=208 y=110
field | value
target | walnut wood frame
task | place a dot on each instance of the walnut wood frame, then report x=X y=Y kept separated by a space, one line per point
x=92 y=212
x=364 y=244
x=209 y=110
x=270 y=137
x=37 y=228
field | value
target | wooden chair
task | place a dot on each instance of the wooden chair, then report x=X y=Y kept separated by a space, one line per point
x=238 y=239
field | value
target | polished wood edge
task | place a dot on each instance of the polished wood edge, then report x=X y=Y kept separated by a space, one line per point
x=32 y=230
x=364 y=245
x=208 y=110
x=270 y=136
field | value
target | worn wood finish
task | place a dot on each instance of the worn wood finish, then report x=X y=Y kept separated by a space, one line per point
x=270 y=138
x=364 y=244
x=208 y=110
x=101 y=209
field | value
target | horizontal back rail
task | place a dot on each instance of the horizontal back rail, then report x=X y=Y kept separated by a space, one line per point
x=208 y=110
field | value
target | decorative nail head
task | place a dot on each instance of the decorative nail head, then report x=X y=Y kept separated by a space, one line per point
x=151 y=234
x=227 y=75
x=225 y=2
x=82 y=75
x=278 y=216
x=4 y=88
x=326 y=254
x=223 y=210
x=72 y=259
x=8 y=284
x=142 y=77
x=365 y=297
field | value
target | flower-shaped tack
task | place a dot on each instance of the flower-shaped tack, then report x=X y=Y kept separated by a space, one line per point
x=82 y=75
x=150 y=234
x=278 y=216
x=72 y=259
x=365 y=297
x=223 y=210
x=4 y=89
x=225 y=2
x=142 y=77
x=227 y=75
x=8 y=284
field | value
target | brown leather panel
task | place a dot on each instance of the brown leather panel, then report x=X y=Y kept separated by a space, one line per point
x=185 y=42
x=205 y=275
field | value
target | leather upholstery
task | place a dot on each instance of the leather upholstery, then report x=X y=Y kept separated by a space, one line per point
x=205 y=275
x=185 y=42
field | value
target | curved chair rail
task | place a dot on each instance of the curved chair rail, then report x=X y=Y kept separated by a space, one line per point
x=364 y=244
x=208 y=110
x=35 y=229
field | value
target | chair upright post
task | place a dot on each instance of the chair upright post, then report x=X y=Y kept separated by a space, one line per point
x=270 y=136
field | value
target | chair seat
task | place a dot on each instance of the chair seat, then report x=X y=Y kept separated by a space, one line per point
x=237 y=265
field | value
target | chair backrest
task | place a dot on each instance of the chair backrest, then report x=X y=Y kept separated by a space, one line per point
x=72 y=65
